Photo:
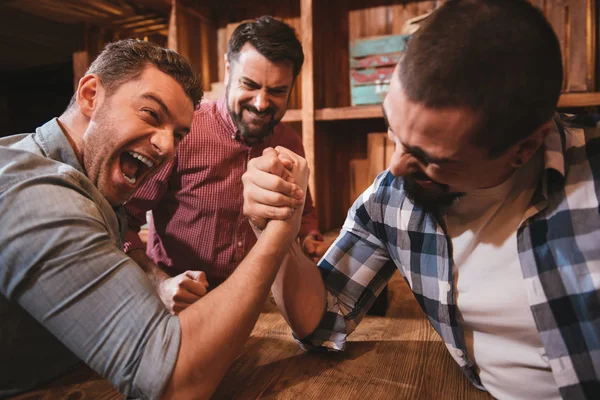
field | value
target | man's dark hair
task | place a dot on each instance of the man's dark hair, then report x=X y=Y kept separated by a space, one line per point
x=274 y=39
x=499 y=58
x=125 y=60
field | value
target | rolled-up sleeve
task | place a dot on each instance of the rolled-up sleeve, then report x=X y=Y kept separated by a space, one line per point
x=355 y=270
x=62 y=266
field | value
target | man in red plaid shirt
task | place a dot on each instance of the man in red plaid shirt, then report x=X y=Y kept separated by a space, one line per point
x=198 y=233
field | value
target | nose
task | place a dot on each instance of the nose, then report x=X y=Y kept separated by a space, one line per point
x=261 y=101
x=403 y=163
x=163 y=142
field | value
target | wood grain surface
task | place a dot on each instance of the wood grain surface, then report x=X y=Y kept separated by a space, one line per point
x=394 y=357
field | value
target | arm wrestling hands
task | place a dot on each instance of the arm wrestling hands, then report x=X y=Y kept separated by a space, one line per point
x=269 y=194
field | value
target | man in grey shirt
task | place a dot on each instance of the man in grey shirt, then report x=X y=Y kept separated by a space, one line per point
x=67 y=290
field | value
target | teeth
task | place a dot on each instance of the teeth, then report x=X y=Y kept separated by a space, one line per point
x=131 y=181
x=142 y=158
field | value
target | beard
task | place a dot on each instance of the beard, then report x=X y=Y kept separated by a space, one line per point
x=98 y=148
x=436 y=200
x=248 y=132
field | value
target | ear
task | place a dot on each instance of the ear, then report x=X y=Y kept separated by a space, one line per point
x=527 y=147
x=227 y=70
x=88 y=94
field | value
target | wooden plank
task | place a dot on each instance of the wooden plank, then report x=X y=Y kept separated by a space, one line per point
x=592 y=43
x=375 y=21
x=386 y=358
x=579 y=99
x=371 y=76
x=143 y=22
x=81 y=383
x=375 y=154
x=359 y=178
x=374 y=111
x=63 y=38
x=293 y=115
x=308 y=98
x=81 y=62
x=577 y=62
x=369 y=94
x=380 y=149
x=172 y=42
x=342 y=113
x=378 y=60
x=390 y=149
x=378 y=45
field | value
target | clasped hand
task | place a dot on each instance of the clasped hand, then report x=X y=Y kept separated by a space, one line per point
x=183 y=290
x=275 y=187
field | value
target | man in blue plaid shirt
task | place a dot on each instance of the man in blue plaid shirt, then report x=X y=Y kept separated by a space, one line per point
x=489 y=209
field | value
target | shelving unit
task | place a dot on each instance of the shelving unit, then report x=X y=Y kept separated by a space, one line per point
x=333 y=131
x=567 y=100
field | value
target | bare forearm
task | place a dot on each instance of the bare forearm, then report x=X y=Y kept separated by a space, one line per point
x=299 y=292
x=215 y=328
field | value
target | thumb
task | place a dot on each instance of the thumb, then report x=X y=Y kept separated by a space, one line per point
x=309 y=247
x=198 y=276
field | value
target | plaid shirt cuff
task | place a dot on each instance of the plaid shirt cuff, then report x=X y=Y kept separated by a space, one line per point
x=330 y=334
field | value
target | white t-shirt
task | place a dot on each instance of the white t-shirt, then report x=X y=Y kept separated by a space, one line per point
x=499 y=328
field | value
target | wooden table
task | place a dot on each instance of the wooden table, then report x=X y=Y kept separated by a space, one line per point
x=394 y=357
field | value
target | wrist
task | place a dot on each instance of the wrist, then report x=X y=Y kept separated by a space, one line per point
x=257 y=231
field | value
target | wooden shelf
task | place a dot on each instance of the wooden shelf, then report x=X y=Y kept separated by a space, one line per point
x=292 y=116
x=355 y=112
x=374 y=111
x=579 y=99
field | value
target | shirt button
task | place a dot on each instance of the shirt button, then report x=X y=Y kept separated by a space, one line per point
x=459 y=352
x=240 y=244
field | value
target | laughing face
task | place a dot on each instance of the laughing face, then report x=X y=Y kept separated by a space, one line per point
x=435 y=152
x=258 y=91
x=135 y=131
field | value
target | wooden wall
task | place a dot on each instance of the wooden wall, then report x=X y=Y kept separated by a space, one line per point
x=354 y=19
x=574 y=24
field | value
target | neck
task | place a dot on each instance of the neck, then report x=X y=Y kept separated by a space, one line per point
x=73 y=124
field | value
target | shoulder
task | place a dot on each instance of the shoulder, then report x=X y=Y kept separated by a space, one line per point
x=380 y=201
x=582 y=155
x=20 y=166
x=206 y=107
x=47 y=210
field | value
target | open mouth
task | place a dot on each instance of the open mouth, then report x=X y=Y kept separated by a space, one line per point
x=134 y=165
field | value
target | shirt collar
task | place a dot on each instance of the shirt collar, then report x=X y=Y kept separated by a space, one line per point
x=556 y=145
x=55 y=145
x=223 y=113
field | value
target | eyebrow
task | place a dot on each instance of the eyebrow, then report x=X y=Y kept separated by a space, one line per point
x=163 y=106
x=250 y=81
x=416 y=151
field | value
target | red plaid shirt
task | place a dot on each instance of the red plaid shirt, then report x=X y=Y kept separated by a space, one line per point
x=196 y=200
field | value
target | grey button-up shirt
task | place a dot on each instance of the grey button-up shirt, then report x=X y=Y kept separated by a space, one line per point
x=67 y=290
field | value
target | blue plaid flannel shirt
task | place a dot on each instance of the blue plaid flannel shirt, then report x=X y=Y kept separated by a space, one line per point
x=559 y=251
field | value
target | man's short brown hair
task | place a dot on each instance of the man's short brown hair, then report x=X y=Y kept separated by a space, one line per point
x=498 y=58
x=125 y=60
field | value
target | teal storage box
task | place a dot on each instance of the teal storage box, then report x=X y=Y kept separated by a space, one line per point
x=372 y=62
